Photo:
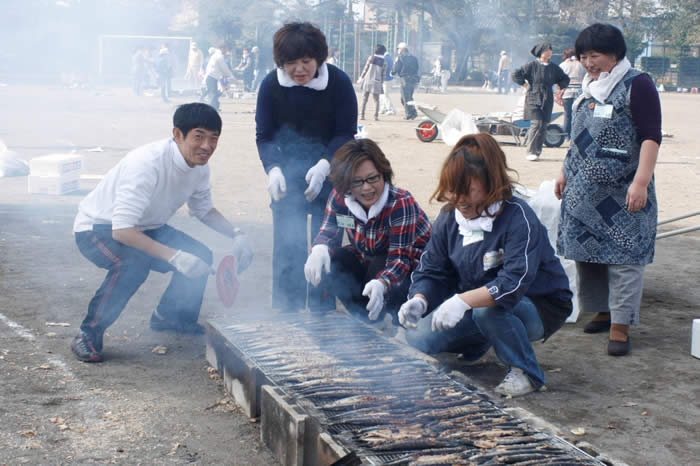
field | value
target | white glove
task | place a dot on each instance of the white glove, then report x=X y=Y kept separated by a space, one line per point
x=315 y=178
x=318 y=260
x=449 y=313
x=189 y=265
x=374 y=290
x=411 y=312
x=242 y=252
x=276 y=184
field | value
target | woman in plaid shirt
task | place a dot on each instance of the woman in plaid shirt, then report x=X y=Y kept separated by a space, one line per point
x=385 y=226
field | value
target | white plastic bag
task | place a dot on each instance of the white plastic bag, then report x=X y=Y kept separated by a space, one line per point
x=455 y=125
x=548 y=208
x=12 y=165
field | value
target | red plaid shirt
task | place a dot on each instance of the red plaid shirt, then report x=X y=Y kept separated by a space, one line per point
x=400 y=231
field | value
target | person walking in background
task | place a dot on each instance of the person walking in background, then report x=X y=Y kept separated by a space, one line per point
x=441 y=73
x=608 y=200
x=258 y=68
x=386 y=106
x=503 y=72
x=164 y=69
x=573 y=69
x=333 y=57
x=406 y=68
x=122 y=227
x=539 y=75
x=372 y=80
x=216 y=69
x=139 y=70
x=306 y=110
x=246 y=67
x=386 y=229
x=195 y=60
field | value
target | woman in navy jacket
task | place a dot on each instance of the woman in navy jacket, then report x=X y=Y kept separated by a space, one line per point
x=306 y=110
x=488 y=274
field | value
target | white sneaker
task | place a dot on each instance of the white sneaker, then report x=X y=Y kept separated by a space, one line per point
x=515 y=383
x=532 y=157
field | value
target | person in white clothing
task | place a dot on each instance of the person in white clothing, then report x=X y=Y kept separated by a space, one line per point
x=122 y=226
x=216 y=70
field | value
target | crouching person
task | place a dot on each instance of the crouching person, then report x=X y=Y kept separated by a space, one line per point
x=121 y=226
x=387 y=231
x=489 y=275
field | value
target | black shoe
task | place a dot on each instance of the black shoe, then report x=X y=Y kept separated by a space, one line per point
x=85 y=349
x=186 y=328
x=618 y=348
x=597 y=326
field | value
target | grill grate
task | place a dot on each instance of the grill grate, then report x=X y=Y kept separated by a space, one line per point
x=386 y=402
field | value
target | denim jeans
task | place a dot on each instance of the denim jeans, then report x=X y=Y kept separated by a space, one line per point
x=509 y=332
x=408 y=85
x=127 y=268
x=348 y=278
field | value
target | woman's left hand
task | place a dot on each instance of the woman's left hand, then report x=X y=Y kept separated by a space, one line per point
x=636 y=197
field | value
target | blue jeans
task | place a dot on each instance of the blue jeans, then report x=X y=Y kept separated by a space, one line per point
x=509 y=332
x=127 y=269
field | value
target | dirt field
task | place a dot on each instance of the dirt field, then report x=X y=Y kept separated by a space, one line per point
x=142 y=408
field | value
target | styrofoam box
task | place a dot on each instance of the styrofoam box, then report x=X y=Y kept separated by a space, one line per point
x=695 y=339
x=55 y=164
x=54 y=185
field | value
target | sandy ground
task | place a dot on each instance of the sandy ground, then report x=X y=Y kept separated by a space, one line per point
x=140 y=407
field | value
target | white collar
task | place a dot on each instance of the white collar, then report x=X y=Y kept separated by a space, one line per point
x=178 y=158
x=601 y=88
x=318 y=83
x=359 y=212
x=483 y=223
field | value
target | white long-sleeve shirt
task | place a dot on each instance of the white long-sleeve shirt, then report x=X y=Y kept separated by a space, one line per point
x=217 y=67
x=145 y=189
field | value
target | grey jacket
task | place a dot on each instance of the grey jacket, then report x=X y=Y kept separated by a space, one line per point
x=372 y=75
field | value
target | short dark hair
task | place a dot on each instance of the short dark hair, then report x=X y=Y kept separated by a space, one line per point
x=568 y=53
x=602 y=38
x=196 y=115
x=379 y=50
x=298 y=40
x=350 y=156
x=475 y=156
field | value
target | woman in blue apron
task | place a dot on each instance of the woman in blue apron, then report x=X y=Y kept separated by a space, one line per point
x=608 y=209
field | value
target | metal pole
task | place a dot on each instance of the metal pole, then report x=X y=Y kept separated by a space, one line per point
x=673 y=219
x=677 y=232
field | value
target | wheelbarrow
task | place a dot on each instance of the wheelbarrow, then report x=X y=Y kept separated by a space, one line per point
x=500 y=123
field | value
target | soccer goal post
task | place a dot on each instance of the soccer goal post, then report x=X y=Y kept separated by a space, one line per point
x=115 y=52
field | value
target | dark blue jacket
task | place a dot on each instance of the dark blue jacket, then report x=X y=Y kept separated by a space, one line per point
x=298 y=126
x=513 y=260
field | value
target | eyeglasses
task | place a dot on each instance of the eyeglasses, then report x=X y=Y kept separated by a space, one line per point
x=369 y=180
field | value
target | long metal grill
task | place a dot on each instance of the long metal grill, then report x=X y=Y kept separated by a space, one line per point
x=384 y=402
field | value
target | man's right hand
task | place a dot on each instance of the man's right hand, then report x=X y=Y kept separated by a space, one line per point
x=276 y=184
x=189 y=265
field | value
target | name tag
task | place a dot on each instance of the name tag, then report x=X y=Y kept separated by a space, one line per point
x=345 y=221
x=603 y=111
x=493 y=259
x=474 y=237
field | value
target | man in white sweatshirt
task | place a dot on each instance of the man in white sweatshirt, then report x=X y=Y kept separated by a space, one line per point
x=216 y=70
x=121 y=226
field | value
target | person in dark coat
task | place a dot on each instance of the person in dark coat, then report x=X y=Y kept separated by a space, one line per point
x=488 y=276
x=406 y=68
x=306 y=110
x=539 y=75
